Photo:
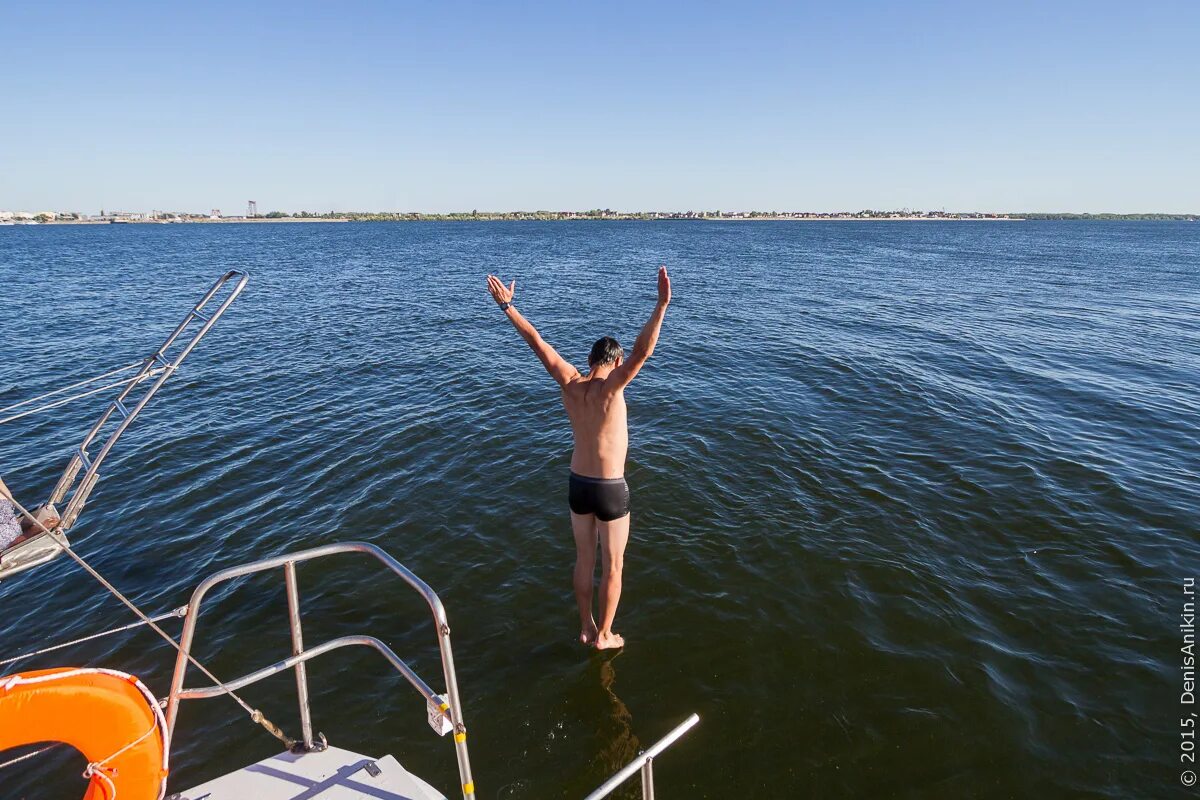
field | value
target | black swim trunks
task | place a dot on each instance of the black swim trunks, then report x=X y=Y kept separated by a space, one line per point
x=607 y=498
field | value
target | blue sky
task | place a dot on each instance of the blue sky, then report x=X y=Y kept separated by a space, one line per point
x=450 y=106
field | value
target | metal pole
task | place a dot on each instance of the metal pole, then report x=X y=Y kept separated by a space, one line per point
x=456 y=715
x=293 y=597
x=181 y=662
x=454 y=703
x=638 y=763
x=648 y=779
x=163 y=371
x=205 y=692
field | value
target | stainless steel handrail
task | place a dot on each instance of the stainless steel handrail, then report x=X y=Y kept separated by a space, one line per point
x=452 y=707
x=645 y=763
x=156 y=365
x=307 y=655
x=48 y=546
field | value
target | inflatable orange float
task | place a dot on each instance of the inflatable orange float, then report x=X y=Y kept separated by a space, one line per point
x=109 y=716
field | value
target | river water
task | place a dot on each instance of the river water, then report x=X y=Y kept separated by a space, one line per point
x=913 y=502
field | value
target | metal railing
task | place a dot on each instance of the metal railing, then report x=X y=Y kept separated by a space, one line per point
x=450 y=707
x=46 y=546
x=156 y=366
x=645 y=763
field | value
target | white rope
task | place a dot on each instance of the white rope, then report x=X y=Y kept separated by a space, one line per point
x=100 y=764
x=179 y=612
x=255 y=715
x=84 y=382
x=19 y=759
x=98 y=768
x=111 y=794
x=10 y=681
x=38 y=409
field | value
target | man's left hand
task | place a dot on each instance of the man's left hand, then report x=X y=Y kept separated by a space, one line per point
x=501 y=293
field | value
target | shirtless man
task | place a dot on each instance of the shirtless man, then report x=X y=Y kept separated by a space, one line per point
x=597 y=494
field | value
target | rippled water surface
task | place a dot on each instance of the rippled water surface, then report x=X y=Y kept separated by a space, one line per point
x=913 y=503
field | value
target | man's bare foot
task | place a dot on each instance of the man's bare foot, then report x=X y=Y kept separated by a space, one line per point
x=587 y=634
x=609 y=641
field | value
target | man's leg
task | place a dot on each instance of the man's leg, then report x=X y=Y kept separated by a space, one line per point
x=584 y=527
x=613 y=537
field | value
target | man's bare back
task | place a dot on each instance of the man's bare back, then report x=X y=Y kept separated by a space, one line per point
x=598 y=495
x=598 y=421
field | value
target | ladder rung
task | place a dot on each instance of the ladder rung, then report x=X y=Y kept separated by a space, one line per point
x=121 y=407
x=197 y=312
x=160 y=359
x=83 y=457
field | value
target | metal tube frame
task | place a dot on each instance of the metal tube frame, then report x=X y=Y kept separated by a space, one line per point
x=293 y=597
x=50 y=546
x=156 y=365
x=283 y=665
x=452 y=708
x=644 y=763
x=648 y=779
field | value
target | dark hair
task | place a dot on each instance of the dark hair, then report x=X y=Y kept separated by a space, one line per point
x=605 y=351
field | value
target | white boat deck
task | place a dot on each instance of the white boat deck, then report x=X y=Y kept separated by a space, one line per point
x=331 y=774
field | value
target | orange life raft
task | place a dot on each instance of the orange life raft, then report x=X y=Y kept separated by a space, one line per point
x=110 y=717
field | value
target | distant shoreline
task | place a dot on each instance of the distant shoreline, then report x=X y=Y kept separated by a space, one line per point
x=605 y=216
x=230 y=221
x=864 y=219
x=432 y=218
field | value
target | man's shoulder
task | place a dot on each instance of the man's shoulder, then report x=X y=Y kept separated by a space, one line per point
x=582 y=386
x=602 y=387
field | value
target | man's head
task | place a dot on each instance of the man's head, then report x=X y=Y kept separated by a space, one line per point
x=606 y=352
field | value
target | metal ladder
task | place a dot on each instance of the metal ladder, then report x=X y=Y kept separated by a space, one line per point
x=127 y=405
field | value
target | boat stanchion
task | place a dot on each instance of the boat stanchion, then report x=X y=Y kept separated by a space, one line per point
x=293 y=599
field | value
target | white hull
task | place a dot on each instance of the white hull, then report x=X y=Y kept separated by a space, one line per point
x=330 y=774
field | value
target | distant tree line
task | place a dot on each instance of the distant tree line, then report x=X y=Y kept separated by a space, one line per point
x=608 y=213
x=1186 y=217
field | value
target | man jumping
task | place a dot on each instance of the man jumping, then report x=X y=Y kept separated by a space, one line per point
x=597 y=493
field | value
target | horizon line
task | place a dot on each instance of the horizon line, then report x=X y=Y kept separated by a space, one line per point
x=591 y=212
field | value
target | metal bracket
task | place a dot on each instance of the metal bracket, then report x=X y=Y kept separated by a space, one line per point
x=320 y=743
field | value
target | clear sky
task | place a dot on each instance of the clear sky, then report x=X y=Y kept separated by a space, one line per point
x=439 y=106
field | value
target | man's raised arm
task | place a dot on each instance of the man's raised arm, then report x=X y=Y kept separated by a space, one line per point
x=644 y=346
x=562 y=372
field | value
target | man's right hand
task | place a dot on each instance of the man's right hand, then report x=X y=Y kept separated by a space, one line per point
x=501 y=293
x=664 y=287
